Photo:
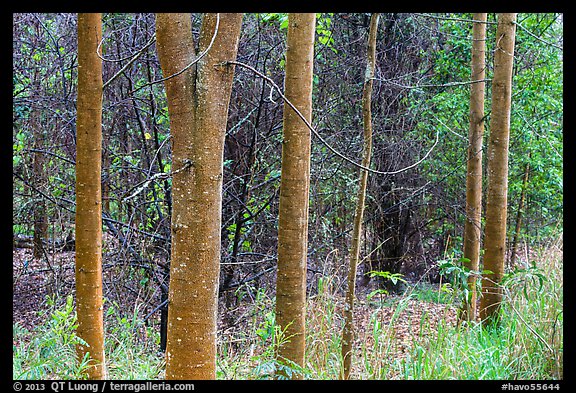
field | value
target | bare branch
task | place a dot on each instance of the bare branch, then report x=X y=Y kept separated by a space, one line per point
x=142 y=185
x=457 y=19
x=449 y=84
x=132 y=60
x=538 y=38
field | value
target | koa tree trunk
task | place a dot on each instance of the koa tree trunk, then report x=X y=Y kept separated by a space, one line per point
x=496 y=196
x=198 y=108
x=472 y=226
x=294 y=190
x=88 y=196
x=348 y=332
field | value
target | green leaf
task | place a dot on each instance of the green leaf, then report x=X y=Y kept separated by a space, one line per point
x=376 y=292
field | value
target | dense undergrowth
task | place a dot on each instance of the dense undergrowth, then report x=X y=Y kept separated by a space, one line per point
x=528 y=344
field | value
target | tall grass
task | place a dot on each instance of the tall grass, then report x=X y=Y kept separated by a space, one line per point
x=527 y=344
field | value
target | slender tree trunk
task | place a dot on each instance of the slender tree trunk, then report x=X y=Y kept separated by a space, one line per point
x=88 y=195
x=38 y=161
x=294 y=190
x=514 y=250
x=496 y=196
x=472 y=226
x=348 y=332
x=198 y=107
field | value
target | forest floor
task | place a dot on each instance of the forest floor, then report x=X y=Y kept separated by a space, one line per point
x=405 y=336
x=34 y=279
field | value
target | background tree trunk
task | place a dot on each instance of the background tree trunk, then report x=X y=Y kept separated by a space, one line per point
x=40 y=216
x=294 y=189
x=88 y=195
x=496 y=196
x=348 y=332
x=472 y=225
x=514 y=250
x=198 y=109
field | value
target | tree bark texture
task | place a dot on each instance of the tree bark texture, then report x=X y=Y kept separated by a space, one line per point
x=472 y=226
x=88 y=195
x=348 y=332
x=198 y=109
x=496 y=196
x=294 y=189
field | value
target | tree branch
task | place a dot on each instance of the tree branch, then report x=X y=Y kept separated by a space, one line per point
x=132 y=60
x=196 y=60
x=313 y=130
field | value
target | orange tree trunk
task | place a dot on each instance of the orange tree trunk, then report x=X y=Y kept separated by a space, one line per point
x=88 y=195
x=198 y=108
x=496 y=196
x=294 y=189
x=348 y=332
x=472 y=226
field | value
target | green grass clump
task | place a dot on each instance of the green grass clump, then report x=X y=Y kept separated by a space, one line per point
x=48 y=350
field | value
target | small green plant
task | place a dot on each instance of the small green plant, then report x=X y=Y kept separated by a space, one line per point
x=48 y=351
x=269 y=365
x=394 y=278
x=525 y=277
x=458 y=275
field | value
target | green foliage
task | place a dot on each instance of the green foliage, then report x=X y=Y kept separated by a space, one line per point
x=131 y=346
x=280 y=18
x=425 y=292
x=19 y=144
x=393 y=277
x=386 y=275
x=48 y=351
x=324 y=32
x=257 y=359
x=525 y=277
x=458 y=274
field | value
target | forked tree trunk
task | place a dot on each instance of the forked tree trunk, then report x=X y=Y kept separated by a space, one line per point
x=88 y=195
x=198 y=108
x=348 y=332
x=496 y=196
x=294 y=190
x=472 y=226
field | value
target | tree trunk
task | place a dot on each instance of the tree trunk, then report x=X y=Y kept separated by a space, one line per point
x=496 y=196
x=472 y=226
x=514 y=250
x=39 y=180
x=348 y=332
x=88 y=195
x=198 y=108
x=294 y=190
